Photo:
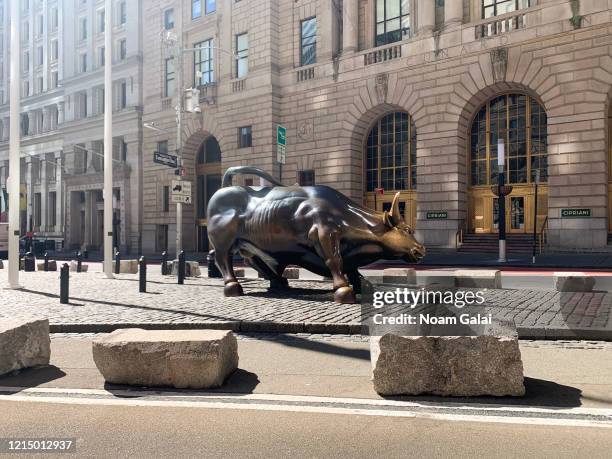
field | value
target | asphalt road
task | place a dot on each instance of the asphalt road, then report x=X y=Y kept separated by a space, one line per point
x=129 y=431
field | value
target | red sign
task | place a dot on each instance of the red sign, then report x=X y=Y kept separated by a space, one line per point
x=380 y=191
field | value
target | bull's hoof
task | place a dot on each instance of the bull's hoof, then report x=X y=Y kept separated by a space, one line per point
x=280 y=283
x=345 y=295
x=233 y=289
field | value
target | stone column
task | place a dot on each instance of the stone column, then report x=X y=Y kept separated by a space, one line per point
x=453 y=13
x=427 y=16
x=350 y=21
x=31 y=123
x=327 y=33
x=59 y=194
x=29 y=193
x=44 y=192
x=60 y=113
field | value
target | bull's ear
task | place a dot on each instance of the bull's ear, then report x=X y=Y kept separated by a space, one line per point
x=396 y=216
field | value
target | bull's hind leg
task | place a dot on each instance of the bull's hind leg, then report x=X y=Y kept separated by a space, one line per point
x=224 y=262
x=327 y=243
x=276 y=280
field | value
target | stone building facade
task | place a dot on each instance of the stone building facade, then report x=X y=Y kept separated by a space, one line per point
x=411 y=97
x=62 y=119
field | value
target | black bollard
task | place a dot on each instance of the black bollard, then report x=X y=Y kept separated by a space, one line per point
x=142 y=275
x=213 y=270
x=117 y=262
x=86 y=254
x=46 y=265
x=181 y=268
x=29 y=262
x=79 y=262
x=164 y=264
x=64 y=276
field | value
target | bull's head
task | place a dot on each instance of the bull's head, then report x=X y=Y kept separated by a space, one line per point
x=398 y=239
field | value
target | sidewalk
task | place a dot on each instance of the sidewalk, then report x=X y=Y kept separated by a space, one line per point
x=557 y=376
x=98 y=304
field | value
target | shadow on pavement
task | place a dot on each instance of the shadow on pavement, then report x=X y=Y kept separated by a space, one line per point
x=539 y=392
x=31 y=377
x=239 y=382
x=321 y=346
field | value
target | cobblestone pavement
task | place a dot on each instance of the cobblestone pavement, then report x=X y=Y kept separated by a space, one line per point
x=98 y=305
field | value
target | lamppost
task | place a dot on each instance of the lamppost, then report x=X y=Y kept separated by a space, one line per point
x=535 y=215
x=501 y=191
x=173 y=42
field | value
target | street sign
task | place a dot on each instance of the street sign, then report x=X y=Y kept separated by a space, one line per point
x=181 y=191
x=165 y=159
x=575 y=213
x=281 y=144
x=437 y=215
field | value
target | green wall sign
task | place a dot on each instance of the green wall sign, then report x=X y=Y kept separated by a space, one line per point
x=438 y=215
x=575 y=213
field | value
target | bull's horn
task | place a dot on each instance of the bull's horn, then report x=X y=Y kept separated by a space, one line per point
x=396 y=216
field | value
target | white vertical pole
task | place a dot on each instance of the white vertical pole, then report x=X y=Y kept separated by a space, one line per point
x=108 y=139
x=178 y=68
x=14 y=147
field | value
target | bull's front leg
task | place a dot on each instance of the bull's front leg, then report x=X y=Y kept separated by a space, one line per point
x=327 y=243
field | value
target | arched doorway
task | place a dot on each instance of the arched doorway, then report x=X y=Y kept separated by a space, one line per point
x=521 y=121
x=390 y=164
x=208 y=180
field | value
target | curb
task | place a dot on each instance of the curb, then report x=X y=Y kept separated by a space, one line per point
x=248 y=326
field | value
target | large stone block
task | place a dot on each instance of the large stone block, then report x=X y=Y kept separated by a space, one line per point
x=573 y=282
x=24 y=344
x=194 y=359
x=127 y=266
x=447 y=365
x=192 y=268
x=239 y=272
x=73 y=267
x=405 y=276
x=291 y=273
x=52 y=266
x=478 y=278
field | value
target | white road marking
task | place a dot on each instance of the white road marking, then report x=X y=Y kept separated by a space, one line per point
x=312 y=404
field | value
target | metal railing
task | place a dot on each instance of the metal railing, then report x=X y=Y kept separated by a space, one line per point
x=459 y=235
x=543 y=236
x=382 y=55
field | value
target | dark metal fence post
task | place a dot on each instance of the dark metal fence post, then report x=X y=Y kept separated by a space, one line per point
x=142 y=271
x=117 y=262
x=46 y=265
x=79 y=261
x=181 y=268
x=64 y=276
x=164 y=264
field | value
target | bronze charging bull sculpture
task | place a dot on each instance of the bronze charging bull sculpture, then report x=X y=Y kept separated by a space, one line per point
x=315 y=227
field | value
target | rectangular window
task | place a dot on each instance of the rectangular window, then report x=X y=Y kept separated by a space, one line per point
x=37 y=209
x=162 y=146
x=122 y=13
x=306 y=178
x=26 y=61
x=162 y=238
x=84 y=63
x=39 y=21
x=54 y=80
x=308 y=41
x=25 y=31
x=52 y=205
x=26 y=89
x=101 y=21
x=123 y=95
x=392 y=21
x=169 y=77
x=54 y=19
x=101 y=56
x=211 y=6
x=39 y=55
x=122 y=49
x=54 y=50
x=169 y=19
x=83 y=29
x=40 y=84
x=245 y=137
x=196 y=9
x=166 y=199
x=203 y=72
x=242 y=55
x=492 y=8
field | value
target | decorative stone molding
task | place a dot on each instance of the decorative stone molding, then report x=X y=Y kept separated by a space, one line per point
x=305 y=130
x=499 y=64
x=382 y=83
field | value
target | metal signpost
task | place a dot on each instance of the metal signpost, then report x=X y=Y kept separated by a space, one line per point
x=108 y=140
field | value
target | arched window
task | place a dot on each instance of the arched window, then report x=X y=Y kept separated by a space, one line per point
x=391 y=154
x=521 y=121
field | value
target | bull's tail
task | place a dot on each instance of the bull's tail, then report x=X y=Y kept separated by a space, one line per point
x=244 y=170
